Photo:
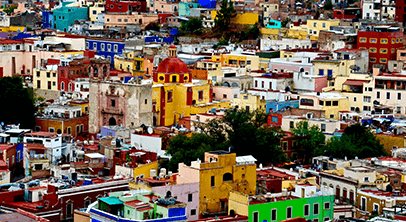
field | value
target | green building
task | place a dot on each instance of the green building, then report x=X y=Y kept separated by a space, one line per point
x=66 y=16
x=306 y=201
x=138 y=205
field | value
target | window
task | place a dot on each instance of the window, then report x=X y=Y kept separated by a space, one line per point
x=399 y=96
x=102 y=47
x=366 y=179
x=115 y=48
x=109 y=58
x=119 y=20
x=255 y=215
x=332 y=116
x=200 y=95
x=321 y=102
x=51 y=130
x=315 y=24
x=288 y=212
x=48 y=75
x=372 y=50
x=326 y=219
x=291 y=124
x=366 y=108
x=189 y=197
x=323 y=127
x=367 y=99
x=383 y=60
x=362 y=39
x=262 y=84
x=193 y=212
x=256 y=83
x=328 y=103
x=372 y=40
x=87 y=202
x=384 y=41
x=170 y=95
x=113 y=103
x=327 y=205
x=384 y=51
x=94 y=46
x=323 y=25
x=227 y=177
x=273 y=214
x=335 y=103
x=378 y=95
x=109 y=47
x=38 y=74
x=306 y=210
x=69 y=130
x=387 y=95
x=316 y=209
x=372 y=59
x=212 y=181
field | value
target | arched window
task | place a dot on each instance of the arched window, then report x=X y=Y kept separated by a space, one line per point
x=227 y=177
x=70 y=87
x=62 y=86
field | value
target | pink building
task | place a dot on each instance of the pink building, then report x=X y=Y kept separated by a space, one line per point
x=166 y=6
x=225 y=93
x=21 y=57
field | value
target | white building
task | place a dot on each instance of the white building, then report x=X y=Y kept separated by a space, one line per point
x=284 y=43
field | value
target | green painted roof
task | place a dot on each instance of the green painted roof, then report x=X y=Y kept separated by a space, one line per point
x=111 y=200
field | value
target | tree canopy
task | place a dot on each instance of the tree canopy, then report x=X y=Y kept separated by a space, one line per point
x=307 y=138
x=192 y=25
x=356 y=141
x=224 y=15
x=243 y=131
x=17 y=102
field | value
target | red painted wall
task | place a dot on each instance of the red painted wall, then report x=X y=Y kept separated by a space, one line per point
x=124 y=6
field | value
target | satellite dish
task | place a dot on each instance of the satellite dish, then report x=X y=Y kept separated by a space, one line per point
x=150 y=131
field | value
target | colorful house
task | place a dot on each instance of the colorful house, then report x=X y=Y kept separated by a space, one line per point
x=184 y=8
x=138 y=205
x=46 y=79
x=250 y=102
x=314 y=26
x=220 y=173
x=306 y=201
x=106 y=48
x=382 y=43
x=95 y=10
x=241 y=18
x=332 y=103
x=176 y=95
x=66 y=16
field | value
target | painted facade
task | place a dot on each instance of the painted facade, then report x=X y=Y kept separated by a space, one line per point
x=218 y=174
x=106 y=48
x=65 y=16
x=176 y=95
x=332 y=103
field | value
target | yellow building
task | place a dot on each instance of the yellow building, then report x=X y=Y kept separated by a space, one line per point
x=70 y=53
x=84 y=103
x=237 y=61
x=270 y=33
x=332 y=103
x=250 y=102
x=95 y=10
x=213 y=69
x=130 y=63
x=241 y=18
x=45 y=79
x=357 y=88
x=219 y=174
x=12 y=29
x=332 y=68
x=314 y=26
x=175 y=95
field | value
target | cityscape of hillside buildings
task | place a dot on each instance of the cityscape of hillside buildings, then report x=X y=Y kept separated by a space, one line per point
x=117 y=84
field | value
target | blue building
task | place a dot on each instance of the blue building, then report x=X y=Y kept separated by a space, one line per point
x=279 y=105
x=47 y=20
x=184 y=8
x=66 y=16
x=274 y=24
x=106 y=48
x=209 y=4
x=151 y=39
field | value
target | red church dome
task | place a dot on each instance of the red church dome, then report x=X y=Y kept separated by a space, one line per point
x=172 y=65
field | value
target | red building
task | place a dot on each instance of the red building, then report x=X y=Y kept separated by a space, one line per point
x=382 y=43
x=274 y=119
x=400 y=15
x=126 y=6
x=58 y=204
x=347 y=13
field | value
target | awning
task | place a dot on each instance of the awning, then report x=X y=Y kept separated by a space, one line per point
x=355 y=82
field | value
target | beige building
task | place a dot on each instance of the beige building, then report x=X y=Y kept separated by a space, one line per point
x=327 y=126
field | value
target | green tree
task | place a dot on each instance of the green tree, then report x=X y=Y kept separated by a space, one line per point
x=18 y=102
x=10 y=9
x=192 y=25
x=243 y=131
x=185 y=149
x=308 y=138
x=356 y=141
x=328 y=5
x=224 y=15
